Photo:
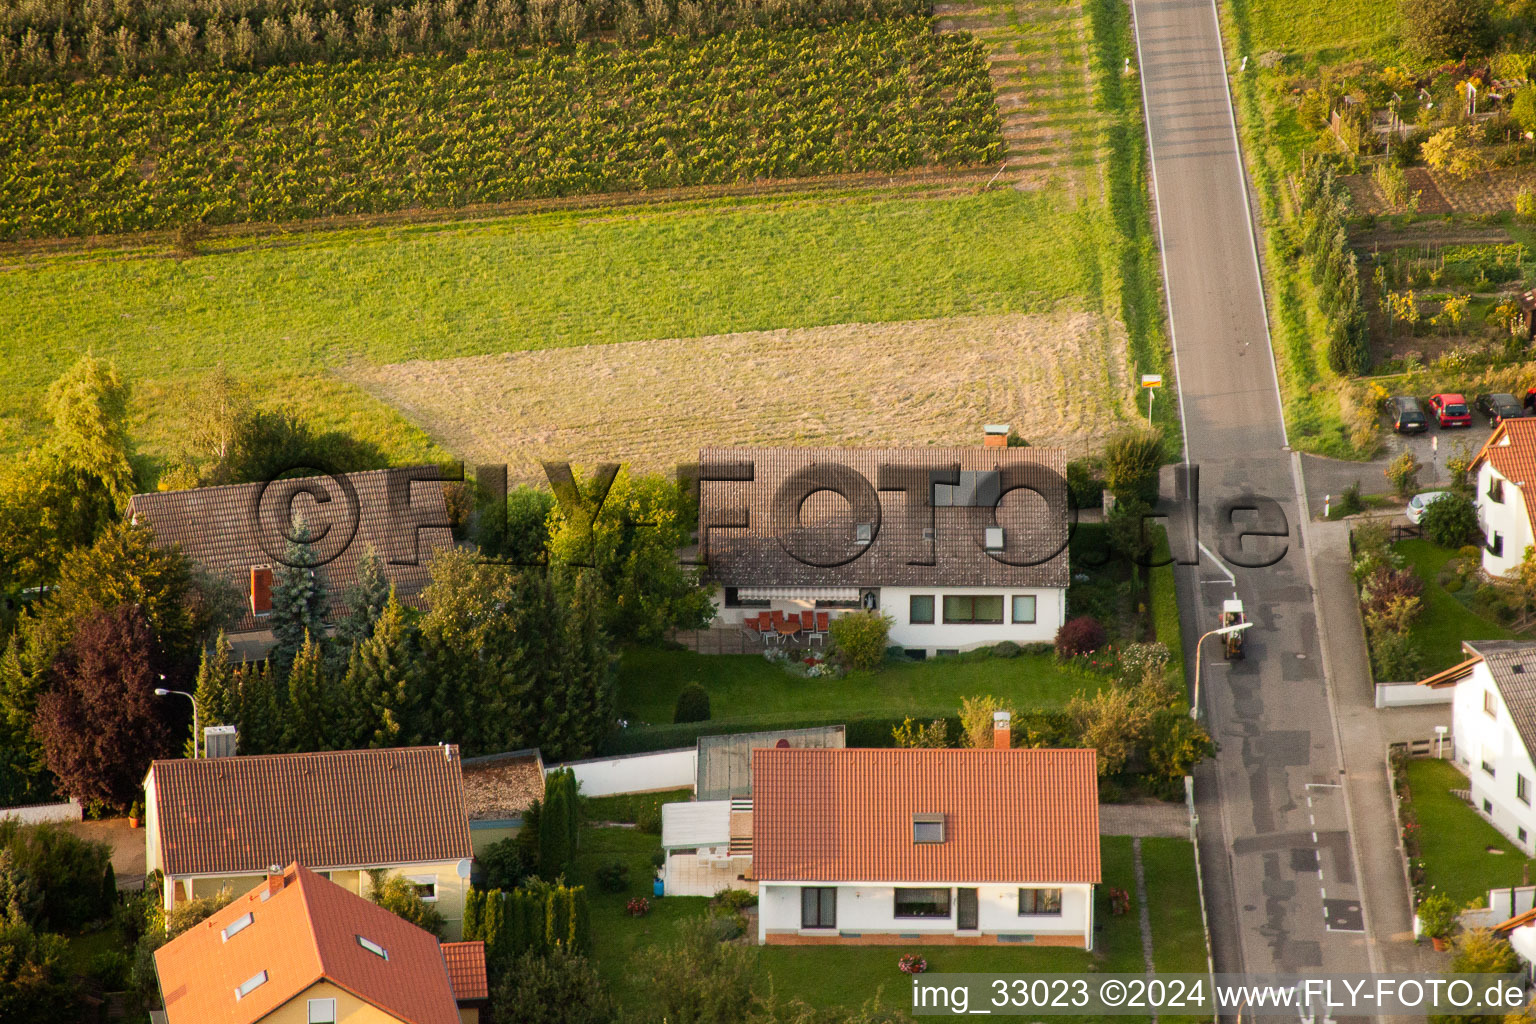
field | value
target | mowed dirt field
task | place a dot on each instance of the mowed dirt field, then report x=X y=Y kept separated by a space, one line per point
x=1058 y=379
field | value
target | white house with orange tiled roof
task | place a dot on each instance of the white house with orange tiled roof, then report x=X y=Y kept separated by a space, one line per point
x=891 y=846
x=1505 y=472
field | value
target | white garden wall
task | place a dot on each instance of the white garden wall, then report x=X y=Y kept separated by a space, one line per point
x=634 y=773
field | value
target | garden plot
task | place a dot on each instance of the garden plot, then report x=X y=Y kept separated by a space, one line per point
x=1058 y=378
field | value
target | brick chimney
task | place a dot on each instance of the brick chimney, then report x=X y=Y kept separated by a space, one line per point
x=994 y=435
x=261 y=590
x=1002 y=730
x=275 y=879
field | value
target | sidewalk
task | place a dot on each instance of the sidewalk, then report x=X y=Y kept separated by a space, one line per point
x=1364 y=733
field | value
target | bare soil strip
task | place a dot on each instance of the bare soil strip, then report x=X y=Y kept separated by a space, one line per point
x=653 y=404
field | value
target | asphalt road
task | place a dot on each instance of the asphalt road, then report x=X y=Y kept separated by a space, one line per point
x=1283 y=893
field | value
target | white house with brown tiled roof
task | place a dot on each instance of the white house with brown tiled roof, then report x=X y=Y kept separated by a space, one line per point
x=1505 y=472
x=221 y=823
x=960 y=547
x=891 y=846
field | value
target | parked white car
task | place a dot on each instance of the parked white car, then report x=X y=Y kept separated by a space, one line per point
x=1419 y=502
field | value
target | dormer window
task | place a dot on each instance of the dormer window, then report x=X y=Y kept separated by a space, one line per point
x=927 y=828
x=236 y=926
x=373 y=947
x=994 y=538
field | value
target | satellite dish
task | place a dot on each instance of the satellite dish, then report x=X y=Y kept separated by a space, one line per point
x=464 y=868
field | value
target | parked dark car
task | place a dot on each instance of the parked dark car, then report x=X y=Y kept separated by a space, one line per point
x=1450 y=410
x=1499 y=407
x=1407 y=415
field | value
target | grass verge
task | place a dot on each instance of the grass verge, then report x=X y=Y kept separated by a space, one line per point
x=1456 y=846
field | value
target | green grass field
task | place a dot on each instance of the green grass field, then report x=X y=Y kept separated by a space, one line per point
x=1445 y=621
x=1454 y=841
x=1355 y=25
x=283 y=313
x=746 y=687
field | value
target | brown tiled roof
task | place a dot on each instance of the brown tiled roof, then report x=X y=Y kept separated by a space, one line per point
x=755 y=554
x=1511 y=449
x=350 y=808
x=846 y=815
x=222 y=529
x=304 y=932
x=502 y=786
x=466 y=970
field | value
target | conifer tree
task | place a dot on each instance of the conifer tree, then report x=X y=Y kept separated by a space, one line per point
x=385 y=681
x=363 y=602
x=261 y=710
x=298 y=600
x=217 y=693
x=310 y=722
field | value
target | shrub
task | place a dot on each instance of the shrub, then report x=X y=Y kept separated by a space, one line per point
x=1450 y=520
x=397 y=894
x=54 y=876
x=1085 y=484
x=1479 y=951
x=1525 y=199
x=692 y=705
x=1403 y=473
x=860 y=638
x=1441 y=29
x=734 y=899
x=109 y=969
x=1081 y=635
x=1437 y=915
x=976 y=721
x=1394 y=657
x=1349 y=501
x=1006 y=649
x=1138 y=662
x=504 y=864
x=555 y=987
x=1131 y=461
x=929 y=735
x=648 y=817
x=35 y=978
x=612 y=876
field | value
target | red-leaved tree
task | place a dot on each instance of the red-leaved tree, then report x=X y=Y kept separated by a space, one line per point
x=102 y=724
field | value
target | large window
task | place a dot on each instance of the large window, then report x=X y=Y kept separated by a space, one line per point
x=818 y=907
x=973 y=608
x=922 y=902
x=1039 y=901
x=425 y=886
x=1023 y=608
x=920 y=611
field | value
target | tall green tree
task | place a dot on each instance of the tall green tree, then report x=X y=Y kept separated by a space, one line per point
x=363 y=602
x=632 y=543
x=89 y=407
x=299 y=599
x=311 y=719
x=579 y=709
x=263 y=703
x=217 y=694
x=385 y=681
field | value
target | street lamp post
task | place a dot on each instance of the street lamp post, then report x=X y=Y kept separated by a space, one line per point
x=1194 y=707
x=162 y=692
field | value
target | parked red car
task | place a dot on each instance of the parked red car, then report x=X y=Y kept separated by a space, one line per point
x=1450 y=410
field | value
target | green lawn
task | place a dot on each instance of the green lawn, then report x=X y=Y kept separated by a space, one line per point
x=749 y=687
x=1446 y=621
x=285 y=312
x=850 y=976
x=1454 y=841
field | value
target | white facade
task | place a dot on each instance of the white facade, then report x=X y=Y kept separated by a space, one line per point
x=1028 y=615
x=1489 y=750
x=864 y=911
x=1504 y=519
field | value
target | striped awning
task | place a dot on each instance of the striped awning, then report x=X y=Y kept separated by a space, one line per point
x=798 y=593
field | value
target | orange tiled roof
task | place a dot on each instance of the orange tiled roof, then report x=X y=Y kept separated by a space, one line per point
x=348 y=808
x=846 y=815
x=1511 y=449
x=305 y=932
x=466 y=970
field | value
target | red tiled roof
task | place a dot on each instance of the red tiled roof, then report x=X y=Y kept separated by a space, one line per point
x=1511 y=449
x=305 y=932
x=229 y=529
x=349 y=808
x=828 y=815
x=466 y=970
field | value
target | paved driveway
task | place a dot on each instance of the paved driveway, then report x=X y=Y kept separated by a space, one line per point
x=127 y=847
